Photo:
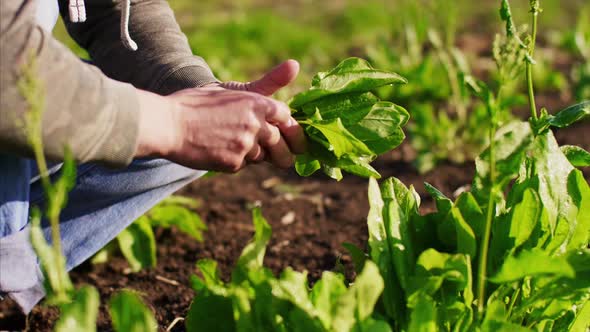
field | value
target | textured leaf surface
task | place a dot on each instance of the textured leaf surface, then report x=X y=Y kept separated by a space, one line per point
x=130 y=314
x=80 y=314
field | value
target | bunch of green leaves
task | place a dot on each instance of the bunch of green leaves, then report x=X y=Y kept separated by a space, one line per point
x=347 y=125
x=256 y=300
x=537 y=272
x=511 y=254
x=78 y=307
x=137 y=242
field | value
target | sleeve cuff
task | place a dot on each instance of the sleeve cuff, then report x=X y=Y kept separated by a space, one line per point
x=186 y=77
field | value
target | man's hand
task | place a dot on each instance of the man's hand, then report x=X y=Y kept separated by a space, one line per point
x=214 y=128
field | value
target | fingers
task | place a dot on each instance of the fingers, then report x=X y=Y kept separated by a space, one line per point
x=278 y=151
x=277 y=78
x=280 y=155
x=255 y=155
x=279 y=115
x=275 y=112
x=294 y=136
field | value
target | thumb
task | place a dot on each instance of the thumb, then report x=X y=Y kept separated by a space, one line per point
x=277 y=78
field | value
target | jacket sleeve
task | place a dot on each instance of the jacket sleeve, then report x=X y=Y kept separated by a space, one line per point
x=96 y=116
x=164 y=62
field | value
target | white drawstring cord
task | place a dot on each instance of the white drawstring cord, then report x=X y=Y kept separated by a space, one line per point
x=125 y=37
x=77 y=10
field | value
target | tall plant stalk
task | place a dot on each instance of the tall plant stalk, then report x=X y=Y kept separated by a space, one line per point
x=483 y=256
x=33 y=92
x=535 y=10
x=484 y=253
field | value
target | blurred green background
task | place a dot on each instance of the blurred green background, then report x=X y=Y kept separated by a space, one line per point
x=240 y=39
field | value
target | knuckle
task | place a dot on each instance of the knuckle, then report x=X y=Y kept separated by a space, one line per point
x=251 y=123
x=241 y=144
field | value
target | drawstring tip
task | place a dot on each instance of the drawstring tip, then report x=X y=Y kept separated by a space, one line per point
x=129 y=44
x=125 y=37
x=77 y=11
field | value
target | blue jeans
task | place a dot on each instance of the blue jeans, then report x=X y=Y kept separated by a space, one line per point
x=103 y=203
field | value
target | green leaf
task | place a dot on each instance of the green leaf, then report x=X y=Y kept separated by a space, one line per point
x=351 y=75
x=358 y=303
x=253 y=254
x=333 y=172
x=577 y=156
x=582 y=320
x=340 y=139
x=423 y=318
x=325 y=295
x=380 y=129
x=570 y=115
x=57 y=282
x=471 y=212
x=552 y=169
x=130 y=314
x=465 y=237
x=172 y=213
x=435 y=269
x=512 y=141
x=80 y=314
x=210 y=312
x=380 y=252
x=579 y=191
x=306 y=165
x=189 y=202
x=495 y=319
x=208 y=268
x=530 y=263
x=138 y=244
x=358 y=166
x=349 y=107
x=396 y=216
x=293 y=286
x=524 y=217
x=372 y=325
x=443 y=203
x=359 y=257
x=501 y=326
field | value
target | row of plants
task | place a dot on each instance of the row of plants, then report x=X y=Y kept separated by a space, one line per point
x=510 y=254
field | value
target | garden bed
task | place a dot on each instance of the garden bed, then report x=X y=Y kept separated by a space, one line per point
x=310 y=218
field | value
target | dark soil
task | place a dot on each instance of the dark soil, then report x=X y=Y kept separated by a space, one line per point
x=310 y=218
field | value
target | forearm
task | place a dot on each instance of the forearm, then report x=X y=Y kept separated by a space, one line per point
x=95 y=116
x=164 y=62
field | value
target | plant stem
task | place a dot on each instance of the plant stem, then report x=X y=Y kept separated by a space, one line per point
x=535 y=9
x=483 y=256
x=513 y=301
x=47 y=188
x=452 y=75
